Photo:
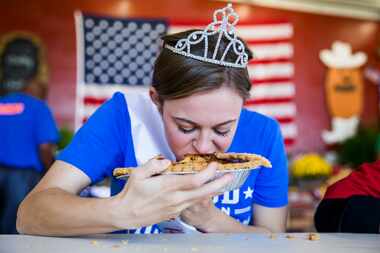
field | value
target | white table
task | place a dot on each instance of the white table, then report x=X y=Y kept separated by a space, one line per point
x=194 y=243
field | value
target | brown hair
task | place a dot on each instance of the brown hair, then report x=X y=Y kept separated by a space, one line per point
x=176 y=76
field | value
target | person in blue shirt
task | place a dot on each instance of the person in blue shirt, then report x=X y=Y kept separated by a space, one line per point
x=28 y=135
x=195 y=105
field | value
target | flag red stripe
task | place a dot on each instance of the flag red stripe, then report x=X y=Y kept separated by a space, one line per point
x=289 y=141
x=269 y=61
x=284 y=120
x=269 y=80
x=242 y=23
x=252 y=22
x=251 y=42
x=268 y=101
x=272 y=83
x=94 y=100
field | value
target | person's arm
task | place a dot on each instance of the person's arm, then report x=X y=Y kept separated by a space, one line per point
x=53 y=207
x=47 y=136
x=272 y=218
x=46 y=152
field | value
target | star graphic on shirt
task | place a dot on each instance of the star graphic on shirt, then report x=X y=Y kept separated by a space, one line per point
x=248 y=193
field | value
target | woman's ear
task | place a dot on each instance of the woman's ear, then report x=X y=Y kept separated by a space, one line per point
x=155 y=98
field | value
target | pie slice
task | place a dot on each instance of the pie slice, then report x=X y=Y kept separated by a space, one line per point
x=192 y=163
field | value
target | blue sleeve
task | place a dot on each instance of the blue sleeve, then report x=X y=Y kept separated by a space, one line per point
x=271 y=188
x=46 y=129
x=97 y=148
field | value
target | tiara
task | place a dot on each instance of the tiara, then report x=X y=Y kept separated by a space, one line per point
x=223 y=27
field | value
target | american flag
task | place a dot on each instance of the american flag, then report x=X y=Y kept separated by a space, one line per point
x=113 y=54
x=117 y=54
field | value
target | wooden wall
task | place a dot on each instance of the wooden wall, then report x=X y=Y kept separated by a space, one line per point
x=53 y=21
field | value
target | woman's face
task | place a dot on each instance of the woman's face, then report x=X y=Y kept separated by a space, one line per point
x=203 y=122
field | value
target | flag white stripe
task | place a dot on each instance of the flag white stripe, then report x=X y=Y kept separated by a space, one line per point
x=273 y=90
x=88 y=110
x=106 y=92
x=181 y=28
x=101 y=91
x=274 y=110
x=249 y=32
x=271 y=51
x=265 y=32
x=289 y=130
x=271 y=70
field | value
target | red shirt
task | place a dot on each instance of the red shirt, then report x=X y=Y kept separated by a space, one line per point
x=364 y=181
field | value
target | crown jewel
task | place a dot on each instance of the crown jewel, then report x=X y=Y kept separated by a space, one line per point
x=223 y=24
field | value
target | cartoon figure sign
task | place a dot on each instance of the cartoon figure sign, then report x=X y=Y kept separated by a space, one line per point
x=344 y=90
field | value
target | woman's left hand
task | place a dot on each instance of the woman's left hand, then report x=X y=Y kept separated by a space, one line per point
x=200 y=214
x=204 y=216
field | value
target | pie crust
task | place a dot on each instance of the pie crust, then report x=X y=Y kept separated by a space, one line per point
x=197 y=162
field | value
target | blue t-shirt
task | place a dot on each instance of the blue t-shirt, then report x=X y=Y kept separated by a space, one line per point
x=25 y=123
x=106 y=142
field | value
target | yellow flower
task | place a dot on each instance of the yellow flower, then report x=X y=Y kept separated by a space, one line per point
x=310 y=165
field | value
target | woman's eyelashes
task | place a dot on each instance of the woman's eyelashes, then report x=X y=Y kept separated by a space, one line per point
x=222 y=132
x=188 y=130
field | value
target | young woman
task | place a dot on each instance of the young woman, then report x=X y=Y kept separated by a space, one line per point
x=195 y=105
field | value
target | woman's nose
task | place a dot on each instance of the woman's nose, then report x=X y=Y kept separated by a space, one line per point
x=203 y=145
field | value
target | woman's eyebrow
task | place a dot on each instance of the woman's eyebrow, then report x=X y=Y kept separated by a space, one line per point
x=195 y=124
x=225 y=122
x=185 y=121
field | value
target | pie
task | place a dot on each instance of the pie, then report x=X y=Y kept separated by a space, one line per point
x=197 y=162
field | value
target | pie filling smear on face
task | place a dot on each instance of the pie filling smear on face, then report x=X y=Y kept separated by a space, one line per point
x=196 y=162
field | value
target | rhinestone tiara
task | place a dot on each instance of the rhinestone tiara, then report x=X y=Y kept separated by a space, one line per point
x=224 y=21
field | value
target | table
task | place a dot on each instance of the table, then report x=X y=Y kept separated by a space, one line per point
x=193 y=243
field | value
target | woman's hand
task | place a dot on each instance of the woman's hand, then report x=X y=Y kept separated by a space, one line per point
x=200 y=214
x=148 y=199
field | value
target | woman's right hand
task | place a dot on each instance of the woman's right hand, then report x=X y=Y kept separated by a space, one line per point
x=148 y=199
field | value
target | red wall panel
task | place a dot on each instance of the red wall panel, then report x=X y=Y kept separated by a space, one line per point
x=53 y=21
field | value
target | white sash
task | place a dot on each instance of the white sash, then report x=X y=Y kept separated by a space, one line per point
x=147 y=128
